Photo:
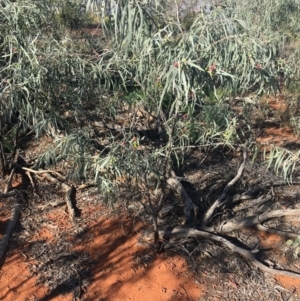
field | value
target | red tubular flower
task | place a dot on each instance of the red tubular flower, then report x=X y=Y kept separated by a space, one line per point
x=184 y=116
x=213 y=67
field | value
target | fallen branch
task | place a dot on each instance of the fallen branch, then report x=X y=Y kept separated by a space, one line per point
x=251 y=221
x=247 y=195
x=60 y=177
x=252 y=202
x=15 y=214
x=52 y=204
x=209 y=213
x=85 y=186
x=181 y=233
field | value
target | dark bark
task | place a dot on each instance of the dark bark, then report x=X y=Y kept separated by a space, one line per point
x=2 y=160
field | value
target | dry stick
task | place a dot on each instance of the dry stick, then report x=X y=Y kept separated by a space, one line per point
x=52 y=204
x=61 y=178
x=70 y=191
x=87 y=185
x=31 y=181
x=250 y=221
x=253 y=202
x=9 y=229
x=193 y=233
x=30 y=178
x=247 y=195
x=209 y=213
x=154 y=216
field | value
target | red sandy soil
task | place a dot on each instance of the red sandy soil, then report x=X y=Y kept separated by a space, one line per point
x=123 y=270
x=272 y=241
x=277 y=135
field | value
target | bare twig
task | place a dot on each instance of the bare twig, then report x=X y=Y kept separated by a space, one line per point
x=8 y=186
x=31 y=181
x=86 y=185
x=61 y=178
x=52 y=204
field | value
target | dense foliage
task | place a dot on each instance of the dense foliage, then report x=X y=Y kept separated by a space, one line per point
x=181 y=66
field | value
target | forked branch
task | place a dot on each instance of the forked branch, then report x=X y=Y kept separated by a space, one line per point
x=250 y=221
x=181 y=233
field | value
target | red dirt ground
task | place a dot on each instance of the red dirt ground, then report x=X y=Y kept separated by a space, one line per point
x=271 y=241
x=123 y=270
x=117 y=274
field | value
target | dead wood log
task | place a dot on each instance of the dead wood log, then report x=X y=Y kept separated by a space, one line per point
x=9 y=229
x=252 y=221
x=15 y=214
x=209 y=213
x=182 y=233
